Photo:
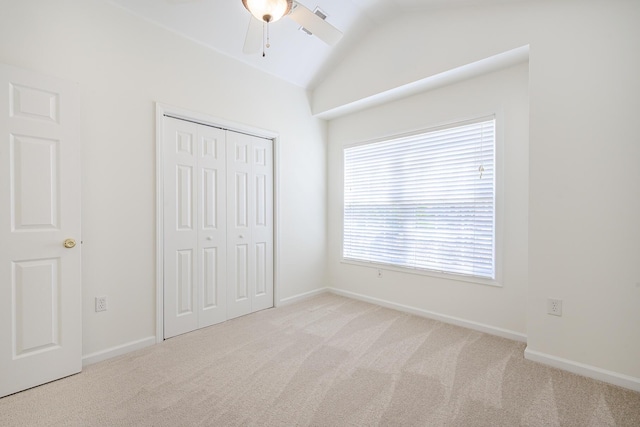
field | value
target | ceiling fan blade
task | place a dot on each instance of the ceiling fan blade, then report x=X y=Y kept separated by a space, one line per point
x=316 y=25
x=253 y=39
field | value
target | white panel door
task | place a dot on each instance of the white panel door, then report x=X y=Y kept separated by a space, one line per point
x=250 y=224
x=181 y=238
x=240 y=205
x=194 y=226
x=262 y=224
x=40 y=287
x=212 y=226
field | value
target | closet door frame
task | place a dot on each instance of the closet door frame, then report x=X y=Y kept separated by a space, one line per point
x=162 y=111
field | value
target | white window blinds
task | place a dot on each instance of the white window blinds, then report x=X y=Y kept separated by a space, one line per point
x=424 y=201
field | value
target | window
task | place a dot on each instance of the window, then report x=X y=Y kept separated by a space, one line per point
x=424 y=201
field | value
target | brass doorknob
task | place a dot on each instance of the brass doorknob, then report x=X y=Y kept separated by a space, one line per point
x=69 y=243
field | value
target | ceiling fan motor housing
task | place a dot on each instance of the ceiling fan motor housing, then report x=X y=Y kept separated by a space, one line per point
x=268 y=10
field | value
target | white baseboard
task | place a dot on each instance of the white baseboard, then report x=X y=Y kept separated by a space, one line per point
x=303 y=296
x=119 y=350
x=615 y=378
x=505 y=333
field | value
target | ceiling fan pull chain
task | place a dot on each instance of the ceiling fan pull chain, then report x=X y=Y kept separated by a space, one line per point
x=268 y=44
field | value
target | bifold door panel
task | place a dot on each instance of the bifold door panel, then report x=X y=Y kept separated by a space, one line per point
x=218 y=225
x=195 y=226
x=250 y=226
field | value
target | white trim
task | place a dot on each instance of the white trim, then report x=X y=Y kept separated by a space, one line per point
x=118 y=350
x=464 y=72
x=182 y=113
x=481 y=327
x=276 y=221
x=424 y=272
x=159 y=224
x=615 y=378
x=303 y=296
x=205 y=119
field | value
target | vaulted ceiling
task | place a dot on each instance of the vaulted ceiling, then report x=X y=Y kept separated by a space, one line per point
x=293 y=56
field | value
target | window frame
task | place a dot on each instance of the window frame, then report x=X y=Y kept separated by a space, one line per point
x=497 y=115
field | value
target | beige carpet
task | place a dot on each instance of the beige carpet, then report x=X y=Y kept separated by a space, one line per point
x=327 y=361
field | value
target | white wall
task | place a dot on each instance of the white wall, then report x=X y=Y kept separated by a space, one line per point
x=503 y=93
x=584 y=179
x=585 y=185
x=123 y=65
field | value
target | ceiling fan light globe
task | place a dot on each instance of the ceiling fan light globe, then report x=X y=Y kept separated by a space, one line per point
x=268 y=10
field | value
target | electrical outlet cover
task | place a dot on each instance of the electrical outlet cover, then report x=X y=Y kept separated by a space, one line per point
x=101 y=304
x=554 y=306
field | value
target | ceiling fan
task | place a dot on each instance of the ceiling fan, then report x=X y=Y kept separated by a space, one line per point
x=266 y=12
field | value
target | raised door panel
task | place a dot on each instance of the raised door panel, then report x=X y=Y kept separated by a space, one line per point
x=241 y=282
x=184 y=282
x=240 y=200
x=36 y=317
x=261 y=260
x=210 y=198
x=34 y=103
x=40 y=280
x=184 y=198
x=210 y=283
x=35 y=186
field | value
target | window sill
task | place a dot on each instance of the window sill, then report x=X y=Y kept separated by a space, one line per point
x=423 y=272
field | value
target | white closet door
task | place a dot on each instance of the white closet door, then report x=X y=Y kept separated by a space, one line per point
x=218 y=225
x=250 y=224
x=262 y=224
x=239 y=208
x=181 y=238
x=40 y=277
x=194 y=226
x=212 y=226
